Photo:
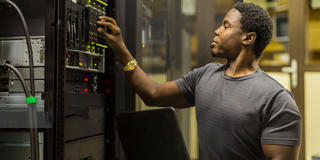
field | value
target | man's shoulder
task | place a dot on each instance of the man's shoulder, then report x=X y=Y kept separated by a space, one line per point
x=269 y=85
x=268 y=81
x=199 y=73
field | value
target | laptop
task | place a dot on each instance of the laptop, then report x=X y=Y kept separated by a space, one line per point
x=151 y=135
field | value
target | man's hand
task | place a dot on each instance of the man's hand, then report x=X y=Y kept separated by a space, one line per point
x=114 y=38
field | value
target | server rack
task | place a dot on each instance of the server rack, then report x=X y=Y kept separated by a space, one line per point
x=80 y=86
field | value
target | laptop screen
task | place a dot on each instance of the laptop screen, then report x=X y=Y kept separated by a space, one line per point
x=151 y=135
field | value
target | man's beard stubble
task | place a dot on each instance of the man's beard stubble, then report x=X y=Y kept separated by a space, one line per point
x=212 y=53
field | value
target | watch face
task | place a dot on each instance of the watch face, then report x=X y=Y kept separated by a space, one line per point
x=315 y=4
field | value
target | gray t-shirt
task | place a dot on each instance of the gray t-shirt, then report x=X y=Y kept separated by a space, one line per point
x=236 y=115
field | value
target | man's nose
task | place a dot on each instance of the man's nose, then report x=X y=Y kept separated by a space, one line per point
x=217 y=32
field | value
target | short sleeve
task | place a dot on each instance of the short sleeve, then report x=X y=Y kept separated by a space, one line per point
x=281 y=123
x=188 y=82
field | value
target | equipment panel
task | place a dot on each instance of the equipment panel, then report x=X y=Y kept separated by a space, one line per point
x=85 y=48
x=85 y=57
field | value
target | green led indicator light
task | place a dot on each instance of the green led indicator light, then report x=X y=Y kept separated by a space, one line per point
x=104 y=3
x=100 y=45
x=31 y=100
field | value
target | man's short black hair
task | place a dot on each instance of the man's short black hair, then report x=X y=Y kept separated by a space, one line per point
x=256 y=19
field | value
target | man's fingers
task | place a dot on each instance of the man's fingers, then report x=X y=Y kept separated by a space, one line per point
x=111 y=26
x=107 y=24
x=108 y=19
x=106 y=34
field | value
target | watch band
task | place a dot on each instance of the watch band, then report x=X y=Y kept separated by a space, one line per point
x=130 y=65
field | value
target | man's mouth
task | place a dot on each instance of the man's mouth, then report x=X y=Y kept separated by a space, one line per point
x=213 y=44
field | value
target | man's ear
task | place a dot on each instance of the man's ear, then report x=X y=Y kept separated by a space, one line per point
x=249 y=38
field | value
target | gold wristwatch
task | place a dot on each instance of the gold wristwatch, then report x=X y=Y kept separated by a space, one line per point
x=130 y=65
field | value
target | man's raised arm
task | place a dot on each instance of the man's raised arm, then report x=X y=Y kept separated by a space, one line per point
x=152 y=93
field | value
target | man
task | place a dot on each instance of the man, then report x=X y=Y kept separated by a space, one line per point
x=242 y=113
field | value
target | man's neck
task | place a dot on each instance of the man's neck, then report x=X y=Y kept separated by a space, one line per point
x=246 y=63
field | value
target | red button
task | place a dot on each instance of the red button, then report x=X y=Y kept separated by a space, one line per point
x=86 y=89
